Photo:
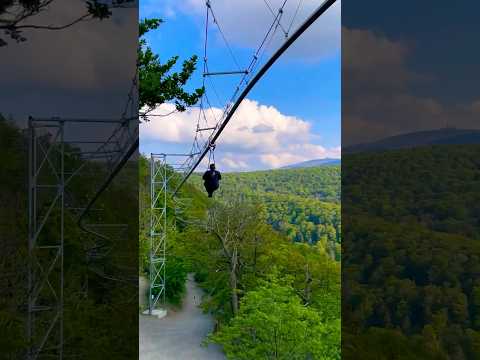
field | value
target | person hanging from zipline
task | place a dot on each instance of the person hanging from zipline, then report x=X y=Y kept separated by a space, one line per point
x=211 y=178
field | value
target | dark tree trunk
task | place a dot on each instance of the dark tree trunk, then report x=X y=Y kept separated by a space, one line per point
x=233 y=281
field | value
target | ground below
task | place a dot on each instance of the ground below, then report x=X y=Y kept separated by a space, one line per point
x=179 y=335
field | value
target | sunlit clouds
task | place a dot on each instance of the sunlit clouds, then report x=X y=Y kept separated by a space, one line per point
x=257 y=135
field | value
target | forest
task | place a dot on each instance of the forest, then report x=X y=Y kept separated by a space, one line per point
x=411 y=272
x=303 y=204
x=272 y=296
x=98 y=277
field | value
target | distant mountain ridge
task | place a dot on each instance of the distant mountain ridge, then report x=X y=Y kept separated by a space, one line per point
x=421 y=138
x=313 y=163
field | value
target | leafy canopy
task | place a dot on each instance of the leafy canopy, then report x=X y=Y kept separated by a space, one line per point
x=158 y=84
x=273 y=324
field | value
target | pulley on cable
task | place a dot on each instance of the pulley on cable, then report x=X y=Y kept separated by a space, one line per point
x=211 y=177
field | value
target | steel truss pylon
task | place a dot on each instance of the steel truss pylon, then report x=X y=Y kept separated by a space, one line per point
x=161 y=174
x=158 y=229
x=59 y=153
x=46 y=251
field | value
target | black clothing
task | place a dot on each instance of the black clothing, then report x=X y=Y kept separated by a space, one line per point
x=211 y=181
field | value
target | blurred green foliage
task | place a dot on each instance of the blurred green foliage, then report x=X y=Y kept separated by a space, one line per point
x=411 y=268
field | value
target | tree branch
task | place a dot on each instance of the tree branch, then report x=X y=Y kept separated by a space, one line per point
x=227 y=253
x=51 y=27
x=18 y=12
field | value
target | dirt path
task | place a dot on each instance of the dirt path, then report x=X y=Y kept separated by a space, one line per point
x=179 y=335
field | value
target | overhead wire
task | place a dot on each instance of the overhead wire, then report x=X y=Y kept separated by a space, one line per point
x=255 y=57
x=220 y=102
x=124 y=155
x=247 y=77
x=294 y=16
x=209 y=6
x=273 y=13
x=249 y=85
x=225 y=105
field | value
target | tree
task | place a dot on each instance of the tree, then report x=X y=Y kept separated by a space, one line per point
x=158 y=84
x=14 y=16
x=273 y=324
x=235 y=226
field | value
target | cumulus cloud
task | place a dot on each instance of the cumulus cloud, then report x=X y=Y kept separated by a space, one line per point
x=378 y=97
x=376 y=49
x=230 y=161
x=257 y=135
x=250 y=119
x=298 y=153
x=245 y=23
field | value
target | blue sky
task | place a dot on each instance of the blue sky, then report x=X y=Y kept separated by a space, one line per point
x=291 y=115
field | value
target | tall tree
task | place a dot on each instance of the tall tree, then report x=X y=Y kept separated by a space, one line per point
x=236 y=227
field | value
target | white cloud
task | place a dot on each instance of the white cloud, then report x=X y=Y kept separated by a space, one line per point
x=377 y=51
x=245 y=23
x=298 y=153
x=231 y=162
x=377 y=95
x=257 y=135
x=276 y=129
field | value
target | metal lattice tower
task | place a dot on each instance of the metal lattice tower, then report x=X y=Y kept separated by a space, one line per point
x=162 y=172
x=45 y=273
x=56 y=157
x=158 y=228
x=59 y=150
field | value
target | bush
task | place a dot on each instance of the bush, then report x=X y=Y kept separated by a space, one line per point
x=176 y=276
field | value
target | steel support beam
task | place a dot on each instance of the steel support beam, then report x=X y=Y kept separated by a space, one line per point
x=240 y=72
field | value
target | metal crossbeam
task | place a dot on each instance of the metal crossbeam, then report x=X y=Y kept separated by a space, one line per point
x=206 y=129
x=225 y=73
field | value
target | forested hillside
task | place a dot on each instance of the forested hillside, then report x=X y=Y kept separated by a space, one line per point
x=303 y=204
x=322 y=183
x=411 y=275
x=271 y=297
x=96 y=286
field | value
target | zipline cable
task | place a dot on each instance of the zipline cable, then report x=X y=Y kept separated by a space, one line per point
x=288 y=42
x=255 y=58
x=129 y=151
x=294 y=16
x=285 y=32
x=225 y=105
